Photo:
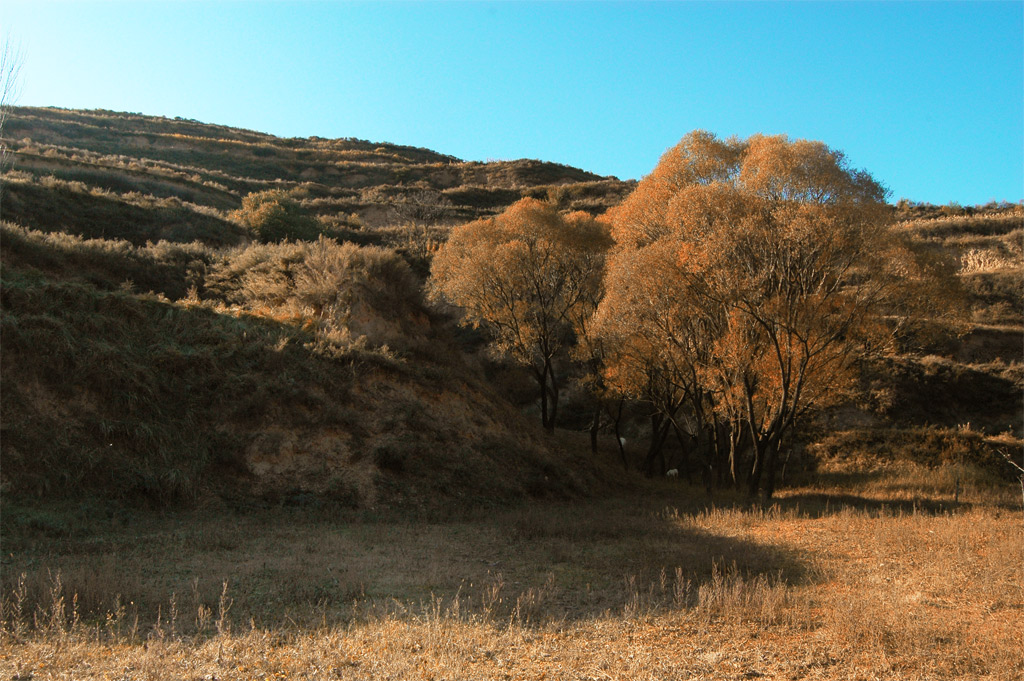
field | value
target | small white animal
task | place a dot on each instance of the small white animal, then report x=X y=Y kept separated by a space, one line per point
x=672 y=473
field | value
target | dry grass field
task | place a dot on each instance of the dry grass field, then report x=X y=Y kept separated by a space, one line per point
x=659 y=583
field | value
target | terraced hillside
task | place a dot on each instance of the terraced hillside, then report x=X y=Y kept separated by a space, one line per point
x=226 y=398
x=346 y=182
x=958 y=402
x=155 y=350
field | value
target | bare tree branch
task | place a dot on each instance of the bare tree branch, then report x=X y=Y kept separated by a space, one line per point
x=11 y=61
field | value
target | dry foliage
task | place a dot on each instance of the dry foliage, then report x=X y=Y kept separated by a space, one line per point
x=528 y=276
x=823 y=584
x=742 y=270
x=273 y=216
x=747 y=278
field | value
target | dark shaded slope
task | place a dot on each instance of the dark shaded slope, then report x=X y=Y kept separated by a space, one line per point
x=74 y=209
x=125 y=397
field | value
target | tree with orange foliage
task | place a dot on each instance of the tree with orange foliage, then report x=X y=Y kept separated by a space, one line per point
x=650 y=331
x=529 y=276
x=750 y=275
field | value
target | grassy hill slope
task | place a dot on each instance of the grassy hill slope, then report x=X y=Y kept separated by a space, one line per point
x=128 y=396
x=956 y=404
x=354 y=182
x=154 y=350
x=202 y=435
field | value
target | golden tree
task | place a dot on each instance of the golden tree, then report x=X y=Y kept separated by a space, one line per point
x=529 y=276
x=750 y=275
x=650 y=332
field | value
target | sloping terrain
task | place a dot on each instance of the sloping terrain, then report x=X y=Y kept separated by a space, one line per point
x=152 y=351
x=959 y=402
x=133 y=396
x=204 y=427
x=352 y=182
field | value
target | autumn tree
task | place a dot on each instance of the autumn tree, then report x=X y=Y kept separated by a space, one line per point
x=528 y=276
x=749 y=275
x=648 y=325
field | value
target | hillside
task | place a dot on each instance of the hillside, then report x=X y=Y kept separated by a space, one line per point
x=155 y=350
x=958 y=402
x=351 y=183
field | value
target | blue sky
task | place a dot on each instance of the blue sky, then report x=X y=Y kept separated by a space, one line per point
x=928 y=97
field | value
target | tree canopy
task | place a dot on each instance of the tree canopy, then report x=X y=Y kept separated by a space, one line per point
x=528 y=276
x=747 y=277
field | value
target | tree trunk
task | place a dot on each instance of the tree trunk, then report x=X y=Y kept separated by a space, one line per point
x=542 y=380
x=548 y=395
x=618 y=436
x=771 y=462
x=785 y=465
x=683 y=446
x=659 y=432
x=719 y=459
x=757 y=465
x=771 y=455
x=734 y=436
x=766 y=450
x=554 y=398
x=595 y=426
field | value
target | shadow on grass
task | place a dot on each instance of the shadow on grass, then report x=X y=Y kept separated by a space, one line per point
x=604 y=557
x=561 y=562
x=899 y=500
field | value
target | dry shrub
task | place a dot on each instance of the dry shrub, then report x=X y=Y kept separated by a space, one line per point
x=957 y=225
x=918 y=462
x=49 y=601
x=169 y=268
x=350 y=296
x=995 y=294
x=54 y=205
x=482 y=197
x=985 y=260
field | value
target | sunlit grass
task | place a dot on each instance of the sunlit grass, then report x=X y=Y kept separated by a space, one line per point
x=818 y=585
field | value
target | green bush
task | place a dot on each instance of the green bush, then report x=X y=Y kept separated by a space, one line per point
x=273 y=215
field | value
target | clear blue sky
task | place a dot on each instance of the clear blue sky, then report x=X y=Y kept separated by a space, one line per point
x=928 y=97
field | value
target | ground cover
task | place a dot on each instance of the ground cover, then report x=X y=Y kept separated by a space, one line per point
x=656 y=582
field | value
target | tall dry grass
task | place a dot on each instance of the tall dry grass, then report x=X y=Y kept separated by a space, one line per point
x=838 y=587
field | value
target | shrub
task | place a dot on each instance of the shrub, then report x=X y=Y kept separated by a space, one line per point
x=350 y=295
x=273 y=215
x=164 y=267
